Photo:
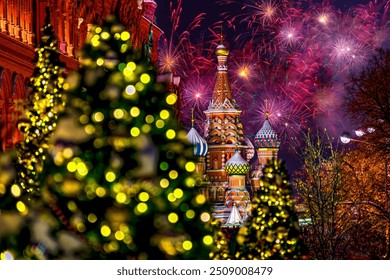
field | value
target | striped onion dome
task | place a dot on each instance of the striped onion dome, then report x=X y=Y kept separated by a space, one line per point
x=236 y=165
x=266 y=137
x=250 y=151
x=200 y=144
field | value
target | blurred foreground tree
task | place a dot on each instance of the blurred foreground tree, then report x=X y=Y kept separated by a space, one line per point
x=119 y=182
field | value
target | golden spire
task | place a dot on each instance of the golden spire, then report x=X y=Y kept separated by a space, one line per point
x=221 y=49
x=221 y=35
x=192 y=117
x=266 y=109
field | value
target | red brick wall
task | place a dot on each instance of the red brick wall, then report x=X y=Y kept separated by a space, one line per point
x=20 y=24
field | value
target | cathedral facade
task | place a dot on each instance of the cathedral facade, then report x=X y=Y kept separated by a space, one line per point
x=20 y=24
x=224 y=153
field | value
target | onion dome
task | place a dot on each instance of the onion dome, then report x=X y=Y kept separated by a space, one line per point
x=236 y=165
x=250 y=151
x=266 y=137
x=200 y=144
x=221 y=50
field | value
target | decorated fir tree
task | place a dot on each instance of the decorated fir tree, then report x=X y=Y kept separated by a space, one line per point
x=45 y=102
x=272 y=230
x=122 y=176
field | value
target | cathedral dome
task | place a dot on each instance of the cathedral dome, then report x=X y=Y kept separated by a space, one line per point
x=266 y=137
x=236 y=165
x=221 y=50
x=200 y=144
x=250 y=151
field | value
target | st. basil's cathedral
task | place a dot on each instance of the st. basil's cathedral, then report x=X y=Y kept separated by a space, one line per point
x=226 y=159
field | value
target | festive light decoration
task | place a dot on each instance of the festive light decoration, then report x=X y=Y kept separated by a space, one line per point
x=271 y=231
x=126 y=186
x=44 y=104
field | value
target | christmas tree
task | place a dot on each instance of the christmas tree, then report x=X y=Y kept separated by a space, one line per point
x=121 y=178
x=45 y=102
x=272 y=230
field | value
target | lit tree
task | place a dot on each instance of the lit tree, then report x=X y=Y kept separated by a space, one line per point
x=122 y=178
x=272 y=230
x=365 y=177
x=45 y=102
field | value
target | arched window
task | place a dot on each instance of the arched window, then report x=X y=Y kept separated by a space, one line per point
x=215 y=163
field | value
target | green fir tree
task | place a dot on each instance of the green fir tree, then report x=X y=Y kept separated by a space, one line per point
x=122 y=178
x=45 y=102
x=272 y=230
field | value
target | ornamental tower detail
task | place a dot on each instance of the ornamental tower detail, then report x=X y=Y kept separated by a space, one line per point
x=224 y=132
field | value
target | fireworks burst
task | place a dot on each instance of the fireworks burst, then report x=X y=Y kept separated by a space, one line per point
x=297 y=54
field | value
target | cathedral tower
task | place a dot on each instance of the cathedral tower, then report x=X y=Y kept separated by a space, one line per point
x=224 y=131
x=267 y=146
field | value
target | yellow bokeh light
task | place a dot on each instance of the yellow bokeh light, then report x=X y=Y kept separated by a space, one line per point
x=100 y=191
x=110 y=176
x=71 y=166
x=72 y=206
x=164 y=183
x=98 y=117
x=105 y=231
x=160 y=123
x=145 y=78
x=170 y=134
x=190 y=182
x=142 y=207
x=21 y=207
x=84 y=119
x=178 y=193
x=190 y=166
x=173 y=218
x=149 y=119
x=119 y=235
x=164 y=114
x=2 y=189
x=92 y=218
x=139 y=86
x=205 y=217
x=121 y=197
x=89 y=129
x=15 y=190
x=146 y=128
x=143 y=196
x=200 y=199
x=208 y=240
x=171 y=99
x=118 y=113
x=171 y=197
x=105 y=35
x=80 y=227
x=135 y=132
x=187 y=245
x=67 y=152
x=125 y=36
x=131 y=65
x=99 y=61
x=135 y=111
x=173 y=174
x=98 y=30
x=82 y=168
x=190 y=214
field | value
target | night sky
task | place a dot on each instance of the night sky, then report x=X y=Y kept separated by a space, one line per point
x=214 y=11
